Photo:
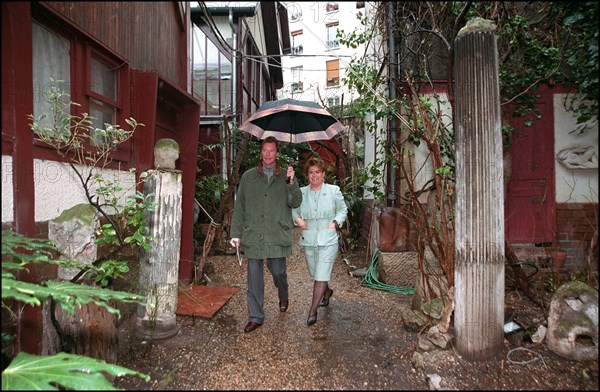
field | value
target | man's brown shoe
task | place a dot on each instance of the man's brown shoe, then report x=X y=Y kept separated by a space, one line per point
x=251 y=326
x=283 y=305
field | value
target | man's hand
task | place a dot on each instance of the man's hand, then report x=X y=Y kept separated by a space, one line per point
x=290 y=175
x=235 y=242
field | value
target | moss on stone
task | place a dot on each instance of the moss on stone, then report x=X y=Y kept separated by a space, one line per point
x=477 y=25
x=576 y=286
x=84 y=212
x=166 y=143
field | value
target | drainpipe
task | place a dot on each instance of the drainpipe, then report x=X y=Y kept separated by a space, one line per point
x=233 y=77
x=233 y=65
x=393 y=69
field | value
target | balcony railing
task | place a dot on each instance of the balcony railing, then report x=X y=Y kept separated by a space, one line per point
x=333 y=44
x=296 y=16
x=332 y=82
x=297 y=86
x=296 y=50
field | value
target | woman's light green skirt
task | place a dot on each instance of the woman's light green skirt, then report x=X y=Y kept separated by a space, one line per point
x=319 y=260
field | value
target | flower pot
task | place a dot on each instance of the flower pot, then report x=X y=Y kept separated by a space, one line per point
x=558 y=260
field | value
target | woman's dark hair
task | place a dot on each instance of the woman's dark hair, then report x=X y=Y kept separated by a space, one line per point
x=314 y=161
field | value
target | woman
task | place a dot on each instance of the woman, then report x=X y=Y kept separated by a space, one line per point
x=322 y=208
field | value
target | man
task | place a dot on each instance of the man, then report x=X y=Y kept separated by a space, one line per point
x=262 y=225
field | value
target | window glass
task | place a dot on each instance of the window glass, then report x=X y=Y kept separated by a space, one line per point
x=226 y=85
x=212 y=78
x=104 y=79
x=51 y=60
x=297 y=84
x=198 y=64
x=102 y=97
x=332 y=42
x=102 y=114
x=297 y=47
x=212 y=75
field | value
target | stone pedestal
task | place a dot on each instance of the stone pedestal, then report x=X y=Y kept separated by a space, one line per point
x=159 y=267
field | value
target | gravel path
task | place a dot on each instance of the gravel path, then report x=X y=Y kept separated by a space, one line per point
x=355 y=343
x=358 y=343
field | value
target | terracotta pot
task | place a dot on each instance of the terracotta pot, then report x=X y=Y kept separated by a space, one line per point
x=558 y=260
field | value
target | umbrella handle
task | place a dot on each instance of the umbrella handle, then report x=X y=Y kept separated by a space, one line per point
x=288 y=179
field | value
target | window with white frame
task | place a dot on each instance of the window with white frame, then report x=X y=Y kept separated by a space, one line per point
x=332 y=41
x=297 y=84
x=297 y=47
x=333 y=101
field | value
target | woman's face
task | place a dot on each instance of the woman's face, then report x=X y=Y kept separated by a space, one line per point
x=315 y=175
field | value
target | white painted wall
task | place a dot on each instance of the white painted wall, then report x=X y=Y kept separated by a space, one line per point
x=373 y=151
x=315 y=54
x=423 y=164
x=573 y=185
x=8 y=206
x=56 y=187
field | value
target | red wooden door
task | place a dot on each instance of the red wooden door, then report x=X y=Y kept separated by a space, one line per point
x=530 y=199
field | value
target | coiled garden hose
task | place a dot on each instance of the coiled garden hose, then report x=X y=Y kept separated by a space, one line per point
x=370 y=279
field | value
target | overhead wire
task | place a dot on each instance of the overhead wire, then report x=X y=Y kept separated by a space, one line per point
x=256 y=58
x=216 y=31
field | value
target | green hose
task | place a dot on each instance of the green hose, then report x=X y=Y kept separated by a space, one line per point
x=370 y=279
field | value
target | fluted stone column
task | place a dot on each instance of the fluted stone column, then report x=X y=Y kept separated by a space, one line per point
x=479 y=225
x=159 y=267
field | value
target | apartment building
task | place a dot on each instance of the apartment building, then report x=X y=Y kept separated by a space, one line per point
x=318 y=62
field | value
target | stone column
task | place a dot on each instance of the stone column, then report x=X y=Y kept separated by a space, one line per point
x=159 y=267
x=479 y=224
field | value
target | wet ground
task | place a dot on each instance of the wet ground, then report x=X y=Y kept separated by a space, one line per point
x=358 y=343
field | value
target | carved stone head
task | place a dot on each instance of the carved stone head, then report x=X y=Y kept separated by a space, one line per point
x=166 y=152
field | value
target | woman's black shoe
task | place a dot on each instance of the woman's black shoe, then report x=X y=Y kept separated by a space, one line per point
x=325 y=300
x=311 y=319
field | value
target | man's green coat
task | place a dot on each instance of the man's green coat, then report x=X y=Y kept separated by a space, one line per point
x=262 y=215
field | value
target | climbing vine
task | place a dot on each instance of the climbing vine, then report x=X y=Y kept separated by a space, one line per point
x=539 y=43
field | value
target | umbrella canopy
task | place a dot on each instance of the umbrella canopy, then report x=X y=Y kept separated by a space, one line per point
x=294 y=121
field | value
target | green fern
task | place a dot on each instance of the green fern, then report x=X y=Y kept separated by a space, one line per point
x=32 y=372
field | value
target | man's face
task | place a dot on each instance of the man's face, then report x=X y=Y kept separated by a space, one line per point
x=269 y=154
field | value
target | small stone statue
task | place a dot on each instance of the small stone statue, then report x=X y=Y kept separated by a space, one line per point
x=166 y=152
